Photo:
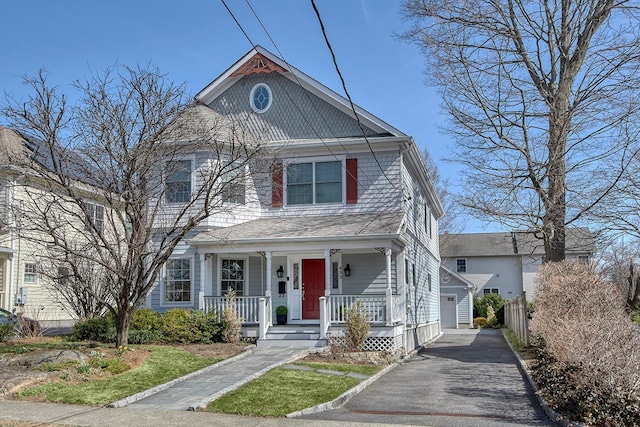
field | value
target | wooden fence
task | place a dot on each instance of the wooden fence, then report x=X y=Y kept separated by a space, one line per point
x=516 y=318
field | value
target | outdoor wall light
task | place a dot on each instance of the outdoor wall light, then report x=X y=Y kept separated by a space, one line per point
x=347 y=270
x=280 y=272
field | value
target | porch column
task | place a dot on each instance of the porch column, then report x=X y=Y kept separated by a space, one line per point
x=389 y=293
x=327 y=272
x=203 y=267
x=267 y=292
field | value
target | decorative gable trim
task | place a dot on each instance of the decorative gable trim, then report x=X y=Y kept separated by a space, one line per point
x=257 y=64
x=352 y=181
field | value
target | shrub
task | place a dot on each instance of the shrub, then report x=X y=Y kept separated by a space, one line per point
x=145 y=336
x=145 y=319
x=492 y=321
x=208 y=325
x=231 y=323
x=494 y=300
x=588 y=364
x=179 y=326
x=282 y=310
x=7 y=331
x=480 y=321
x=101 y=329
x=357 y=327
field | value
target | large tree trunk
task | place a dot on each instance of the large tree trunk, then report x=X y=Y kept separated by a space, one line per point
x=123 y=322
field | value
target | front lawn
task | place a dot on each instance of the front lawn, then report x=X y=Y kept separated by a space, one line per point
x=282 y=391
x=162 y=365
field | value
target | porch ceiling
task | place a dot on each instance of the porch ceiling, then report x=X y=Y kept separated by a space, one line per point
x=305 y=229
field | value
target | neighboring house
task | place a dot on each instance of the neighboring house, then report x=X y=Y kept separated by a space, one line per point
x=503 y=263
x=346 y=213
x=25 y=270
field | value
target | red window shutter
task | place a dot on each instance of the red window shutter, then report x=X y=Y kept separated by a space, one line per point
x=276 y=185
x=352 y=180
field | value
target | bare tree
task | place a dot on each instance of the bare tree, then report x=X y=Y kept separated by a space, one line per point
x=127 y=174
x=450 y=223
x=543 y=103
x=620 y=262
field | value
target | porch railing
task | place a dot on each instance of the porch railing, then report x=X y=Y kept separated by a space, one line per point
x=246 y=307
x=375 y=306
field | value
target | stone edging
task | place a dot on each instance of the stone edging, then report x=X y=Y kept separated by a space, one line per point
x=553 y=415
x=153 y=390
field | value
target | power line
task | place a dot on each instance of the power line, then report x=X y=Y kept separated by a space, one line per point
x=344 y=86
x=311 y=127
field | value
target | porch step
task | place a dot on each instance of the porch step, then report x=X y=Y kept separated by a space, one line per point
x=293 y=336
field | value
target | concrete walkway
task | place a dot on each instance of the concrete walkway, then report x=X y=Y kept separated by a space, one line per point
x=214 y=381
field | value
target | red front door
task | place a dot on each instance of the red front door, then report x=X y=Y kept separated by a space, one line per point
x=312 y=287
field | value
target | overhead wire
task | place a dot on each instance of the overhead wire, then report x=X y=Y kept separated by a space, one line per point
x=318 y=136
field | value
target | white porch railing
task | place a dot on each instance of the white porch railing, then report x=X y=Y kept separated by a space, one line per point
x=246 y=307
x=374 y=305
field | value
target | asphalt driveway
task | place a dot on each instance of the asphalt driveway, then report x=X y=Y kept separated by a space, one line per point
x=466 y=378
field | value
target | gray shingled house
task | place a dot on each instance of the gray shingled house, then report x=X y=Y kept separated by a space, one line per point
x=504 y=263
x=346 y=213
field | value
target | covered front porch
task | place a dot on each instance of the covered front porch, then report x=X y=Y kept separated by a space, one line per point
x=316 y=276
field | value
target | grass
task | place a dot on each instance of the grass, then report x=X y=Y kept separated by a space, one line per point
x=282 y=391
x=517 y=344
x=163 y=364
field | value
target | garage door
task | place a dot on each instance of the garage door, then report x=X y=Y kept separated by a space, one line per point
x=448 y=311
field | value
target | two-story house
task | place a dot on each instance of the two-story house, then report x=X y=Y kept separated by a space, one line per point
x=346 y=212
x=505 y=263
x=30 y=272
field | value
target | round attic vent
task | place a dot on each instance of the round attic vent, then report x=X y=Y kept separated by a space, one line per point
x=260 y=98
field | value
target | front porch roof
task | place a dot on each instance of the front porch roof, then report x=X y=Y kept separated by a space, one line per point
x=314 y=228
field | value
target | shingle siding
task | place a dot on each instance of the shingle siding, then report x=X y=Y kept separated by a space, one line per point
x=295 y=113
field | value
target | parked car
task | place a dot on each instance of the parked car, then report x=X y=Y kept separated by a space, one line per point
x=28 y=325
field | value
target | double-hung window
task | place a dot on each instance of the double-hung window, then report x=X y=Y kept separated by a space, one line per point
x=314 y=183
x=177 y=286
x=178 y=181
x=30 y=272
x=233 y=275
x=233 y=190
x=96 y=215
x=461 y=265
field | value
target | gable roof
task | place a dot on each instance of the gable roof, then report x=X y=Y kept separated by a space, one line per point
x=259 y=60
x=579 y=241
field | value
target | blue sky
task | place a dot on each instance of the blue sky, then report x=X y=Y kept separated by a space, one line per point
x=194 y=41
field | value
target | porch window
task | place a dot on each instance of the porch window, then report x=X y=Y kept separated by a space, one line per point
x=234 y=183
x=233 y=275
x=315 y=182
x=96 y=215
x=177 y=286
x=178 y=181
x=461 y=265
x=30 y=272
x=334 y=275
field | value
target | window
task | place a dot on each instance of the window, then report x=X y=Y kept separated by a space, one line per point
x=178 y=181
x=30 y=272
x=260 y=98
x=487 y=291
x=316 y=182
x=583 y=258
x=233 y=275
x=96 y=215
x=234 y=186
x=177 y=286
x=334 y=275
x=427 y=221
x=429 y=280
x=461 y=265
